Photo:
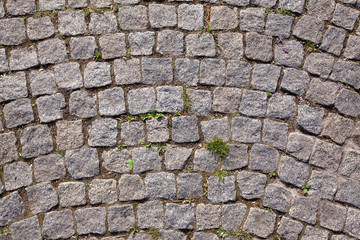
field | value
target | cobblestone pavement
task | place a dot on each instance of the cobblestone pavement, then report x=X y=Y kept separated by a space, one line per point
x=107 y=108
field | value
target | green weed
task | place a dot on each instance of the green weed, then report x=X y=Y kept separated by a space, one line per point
x=306 y=188
x=131 y=164
x=218 y=146
x=221 y=174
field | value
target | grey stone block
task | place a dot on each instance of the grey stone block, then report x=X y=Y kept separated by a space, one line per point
x=102 y=191
x=179 y=216
x=259 y=47
x=187 y=71
x=322 y=184
x=41 y=197
x=237 y=158
x=289 y=229
x=326 y=155
x=310 y=119
x=351 y=50
x=176 y=157
x=101 y=3
x=97 y=74
x=28 y=228
x=169 y=99
x=200 y=45
x=201 y=102
x=4 y=64
x=23 y=58
x=185 y=129
x=294 y=6
x=253 y=103
x=212 y=72
x=160 y=185
x=293 y=172
x=346 y=72
x=222 y=17
x=231 y=45
x=157 y=130
x=190 y=17
x=252 y=19
x=312 y=233
x=17 y=175
x=18 y=112
x=275 y=133
x=333 y=40
x=161 y=15
x=51 y=107
x=304 y=209
x=289 y=54
x=348 y=192
x=52 y=51
x=116 y=161
x=102 y=133
x=265 y=77
x=308 y=28
x=40 y=28
x=279 y=25
x=77 y=3
x=347 y=102
x=141 y=43
x=171 y=235
x=83 y=47
x=263 y=3
x=112 y=45
x=13 y=86
x=131 y=188
x=68 y=76
x=59 y=224
x=111 y=102
x=49 y=167
x=263 y=228
x=47 y=5
x=345 y=17
x=226 y=100
x=322 y=9
x=132 y=133
x=222 y=191
x=101 y=23
x=12 y=31
x=282 y=107
x=332 y=216
x=12 y=207
x=127 y=71
x=91 y=220
x=72 y=194
x=82 y=104
x=151 y=215
x=277 y=197
x=207 y=216
x=133 y=18
x=251 y=184
x=141 y=100
x=9 y=151
x=263 y=158
x=157 y=70
x=36 y=141
x=71 y=23
x=349 y=166
x=146 y=159
x=320 y=64
x=337 y=128
x=82 y=163
x=246 y=130
x=205 y=236
x=170 y=42
x=69 y=134
x=216 y=128
x=300 y=146
x=189 y=185
x=237 y=73
x=205 y=161
x=42 y=83
x=20 y=7
x=322 y=92
x=233 y=215
x=352 y=222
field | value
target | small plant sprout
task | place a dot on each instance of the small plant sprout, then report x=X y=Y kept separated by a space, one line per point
x=186 y=98
x=235 y=114
x=310 y=47
x=155 y=233
x=269 y=11
x=116 y=7
x=177 y=113
x=221 y=174
x=285 y=12
x=148 y=144
x=205 y=190
x=5 y=231
x=212 y=117
x=159 y=115
x=145 y=116
x=133 y=230
x=129 y=119
x=270 y=209
x=272 y=174
x=222 y=232
x=120 y=146
x=97 y=56
x=60 y=152
x=189 y=200
x=161 y=148
x=118 y=126
x=131 y=164
x=306 y=188
x=269 y=93
x=218 y=146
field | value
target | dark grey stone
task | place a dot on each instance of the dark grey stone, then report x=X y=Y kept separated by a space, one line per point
x=82 y=163
x=350 y=166
x=69 y=134
x=112 y=45
x=40 y=28
x=13 y=86
x=52 y=51
x=68 y=76
x=83 y=47
x=59 y=224
x=28 y=228
x=207 y=216
x=72 y=194
x=292 y=171
x=17 y=175
x=8 y=151
x=300 y=146
x=116 y=161
x=216 y=128
x=200 y=45
x=320 y=64
x=312 y=233
x=279 y=25
x=222 y=17
x=169 y=99
x=233 y=215
x=277 y=197
x=348 y=192
x=41 y=197
x=265 y=77
x=112 y=102
x=97 y=74
x=221 y=191
x=18 y=112
x=133 y=18
x=82 y=104
x=151 y=215
x=205 y=161
x=51 y=108
x=345 y=17
x=231 y=45
x=353 y=223
x=102 y=191
x=337 y=128
x=185 y=129
x=161 y=15
x=308 y=28
x=322 y=92
x=289 y=54
x=160 y=185
x=12 y=31
x=260 y=222
x=347 y=102
x=132 y=133
x=146 y=159
x=12 y=207
x=102 y=133
x=263 y=158
x=157 y=70
x=258 y=47
x=190 y=17
x=304 y=209
x=47 y=5
x=275 y=133
x=71 y=23
x=326 y=155
x=176 y=157
x=131 y=187
x=226 y=100
x=20 y=7
x=282 y=107
x=251 y=184
x=333 y=40
x=212 y=72
x=170 y=42
x=23 y=58
x=42 y=83
x=36 y=141
x=141 y=43
x=346 y=72
x=310 y=119
x=200 y=102
x=187 y=71
x=332 y=216
x=127 y=71
x=101 y=23
x=237 y=158
x=180 y=216
x=49 y=167
x=322 y=9
x=141 y=100
x=289 y=229
x=253 y=103
x=322 y=184
x=246 y=130
x=91 y=220
x=252 y=19
x=157 y=130
x=189 y=185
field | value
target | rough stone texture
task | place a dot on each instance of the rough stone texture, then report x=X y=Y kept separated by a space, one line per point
x=333 y=40
x=321 y=9
x=277 y=197
x=12 y=31
x=23 y=58
x=185 y=129
x=312 y=233
x=141 y=100
x=102 y=133
x=127 y=71
x=205 y=161
x=47 y=5
x=41 y=197
x=187 y=71
x=346 y=72
x=332 y=216
x=295 y=81
x=352 y=222
x=157 y=130
x=222 y=17
x=131 y=187
x=171 y=235
x=178 y=216
x=233 y=215
x=36 y=141
x=282 y=107
x=8 y=152
x=83 y=47
x=190 y=17
x=221 y=191
x=260 y=222
x=42 y=83
x=17 y=175
x=337 y=128
x=4 y=65
x=169 y=99
x=51 y=108
x=231 y=45
x=289 y=54
x=91 y=220
x=345 y=17
x=252 y=19
x=97 y=75
x=133 y=18
x=289 y=229
x=161 y=15
x=69 y=134
x=82 y=163
x=304 y=209
x=49 y=167
x=18 y=112
x=212 y=72
x=237 y=73
x=200 y=45
x=52 y=51
x=200 y=102
x=263 y=158
x=160 y=185
x=348 y=192
x=146 y=159
x=265 y=77
x=347 y=102
x=26 y=229
x=246 y=130
x=170 y=42
x=205 y=235
x=352 y=51
x=141 y=43
x=68 y=76
x=258 y=47
x=237 y=158
x=112 y=45
x=294 y=6
x=251 y=184
x=176 y=157
x=132 y=133
x=349 y=166
x=157 y=70
x=275 y=133
x=13 y=86
x=12 y=207
x=20 y=7
x=320 y=64
x=253 y=103
x=82 y=104
x=40 y=28
x=102 y=23
x=322 y=92
x=71 y=23
x=279 y=25
x=58 y=224
x=111 y=102
x=326 y=155
x=72 y=194
x=189 y=185
x=102 y=191
x=308 y=28
x=207 y=216
x=116 y=161
x=151 y=214
x=216 y=128
x=322 y=184
x=310 y=119
x=292 y=171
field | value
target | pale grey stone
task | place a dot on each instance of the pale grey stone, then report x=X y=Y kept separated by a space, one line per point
x=133 y=17
x=322 y=9
x=312 y=233
x=71 y=23
x=279 y=25
x=185 y=129
x=169 y=99
x=205 y=161
x=187 y=71
x=157 y=70
x=101 y=3
x=102 y=133
x=12 y=207
x=176 y=157
x=17 y=175
x=41 y=197
x=292 y=171
x=326 y=155
x=59 y=224
x=292 y=5
x=170 y=42
x=212 y=72
x=51 y=107
x=263 y=158
x=42 y=82
x=322 y=184
x=112 y=45
x=217 y=128
x=275 y=133
x=348 y=192
x=308 y=28
x=207 y=216
x=97 y=74
x=131 y=188
x=102 y=191
x=349 y=166
x=304 y=209
x=322 y=92
x=52 y=51
x=171 y=235
x=91 y=220
x=36 y=141
x=200 y=102
x=222 y=17
x=151 y=214
x=161 y=15
x=320 y=64
x=18 y=112
x=23 y=58
x=277 y=197
x=231 y=45
x=258 y=47
x=333 y=40
x=265 y=77
x=68 y=76
x=189 y=185
x=141 y=43
x=160 y=185
x=116 y=161
x=226 y=100
x=40 y=28
x=111 y=102
x=48 y=168
x=237 y=158
x=282 y=106
x=260 y=222
x=237 y=73
x=157 y=130
x=222 y=191
x=251 y=184
x=28 y=228
x=190 y=17
x=180 y=216
x=252 y=19
x=345 y=17
x=310 y=119
x=289 y=229
x=200 y=45
x=127 y=71
x=352 y=223
x=77 y=3
x=141 y=100
x=12 y=31
x=253 y=103
x=20 y=7
x=69 y=134
x=289 y=54
x=8 y=151
x=337 y=128
x=82 y=104
x=332 y=216
x=82 y=163
x=13 y=86
x=146 y=159
x=205 y=236
x=346 y=72
x=83 y=47
x=233 y=215
x=246 y=130
x=132 y=133
x=47 y=5
x=101 y=23
x=4 y=64
x=72 y=194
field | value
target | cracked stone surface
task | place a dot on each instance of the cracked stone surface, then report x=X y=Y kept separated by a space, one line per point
x=108 y=109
